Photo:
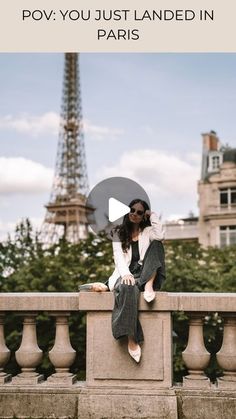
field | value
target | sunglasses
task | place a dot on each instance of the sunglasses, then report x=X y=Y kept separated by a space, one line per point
x=138 y=212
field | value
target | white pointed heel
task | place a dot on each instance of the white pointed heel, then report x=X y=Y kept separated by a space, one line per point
x=136 y=355
x=149 y=296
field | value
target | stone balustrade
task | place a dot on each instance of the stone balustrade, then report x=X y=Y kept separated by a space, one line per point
x=29 y=355
x=108 y=365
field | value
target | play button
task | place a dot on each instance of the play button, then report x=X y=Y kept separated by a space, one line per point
x=116 y=209
x=109 y=202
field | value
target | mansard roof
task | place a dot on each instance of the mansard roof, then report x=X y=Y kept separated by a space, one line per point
x=230 y=155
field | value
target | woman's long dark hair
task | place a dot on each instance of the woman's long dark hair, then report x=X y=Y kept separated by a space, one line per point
x=124 y=230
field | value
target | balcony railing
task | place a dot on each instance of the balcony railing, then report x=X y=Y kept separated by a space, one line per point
x=220 y=209
x=108 y=362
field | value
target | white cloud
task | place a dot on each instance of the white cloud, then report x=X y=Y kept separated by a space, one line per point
x=8 y=228
x=147 y=129
x=194 y=158
x=100 y=133
x=4 y=202
x=19 y=175
x=36 y=222
x=166 y=173
x=48 y=123
x=165 y=177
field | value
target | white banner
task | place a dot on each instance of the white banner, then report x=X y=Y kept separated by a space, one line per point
x=119 y=26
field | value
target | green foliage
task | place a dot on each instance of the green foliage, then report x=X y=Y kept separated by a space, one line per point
x=190 y=268
x=26 y=266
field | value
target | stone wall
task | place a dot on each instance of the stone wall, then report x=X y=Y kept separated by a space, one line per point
x=116 y=387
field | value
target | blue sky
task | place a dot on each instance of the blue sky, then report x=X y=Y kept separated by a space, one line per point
x=143 y=119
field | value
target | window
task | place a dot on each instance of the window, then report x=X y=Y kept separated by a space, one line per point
x=227 y=235
x=228 y=197
x=215 y=162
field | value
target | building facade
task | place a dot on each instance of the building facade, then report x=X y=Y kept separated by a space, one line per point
x=216 y=224
x=217 y=193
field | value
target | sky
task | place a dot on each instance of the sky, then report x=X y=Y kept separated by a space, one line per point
x=143 y=119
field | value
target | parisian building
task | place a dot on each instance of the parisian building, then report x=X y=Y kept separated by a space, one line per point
x=216 y=223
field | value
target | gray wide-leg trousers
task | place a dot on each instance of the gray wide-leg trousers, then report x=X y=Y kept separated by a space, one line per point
x=125 y=320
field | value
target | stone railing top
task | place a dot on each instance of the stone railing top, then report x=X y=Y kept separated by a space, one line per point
x=90 y=301
x=165 y=301
x=39 y=301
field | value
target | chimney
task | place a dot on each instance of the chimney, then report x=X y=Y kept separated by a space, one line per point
x=210 y=141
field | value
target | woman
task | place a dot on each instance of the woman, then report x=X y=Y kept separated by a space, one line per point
x=139 y=266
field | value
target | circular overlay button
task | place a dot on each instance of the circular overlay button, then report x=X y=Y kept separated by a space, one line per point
x=108 y=202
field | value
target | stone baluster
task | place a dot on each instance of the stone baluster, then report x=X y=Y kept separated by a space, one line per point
x=226 y=356
x=4 y=353
x=62 y=355
x=29 y=355
x=195 y=356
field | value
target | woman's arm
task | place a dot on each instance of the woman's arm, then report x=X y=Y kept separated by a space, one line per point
x=156 y=231
x=119 y=258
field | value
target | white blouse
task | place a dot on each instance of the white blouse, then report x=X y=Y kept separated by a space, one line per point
x=122 y=259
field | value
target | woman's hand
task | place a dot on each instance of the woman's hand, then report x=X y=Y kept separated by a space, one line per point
x=147 y=214
x=128 y=280
x=99 y=286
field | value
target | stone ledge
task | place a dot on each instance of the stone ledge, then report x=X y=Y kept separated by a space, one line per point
x=39 y=301
x=206 y=404
x=214 y=391
x=91 y=301
x=127 y=404
x=42 y=388
x=38 y=405
x=189 y=302
x=81 y=402
x=112 y=403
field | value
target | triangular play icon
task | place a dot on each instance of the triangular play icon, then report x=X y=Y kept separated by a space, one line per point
x=116 y=209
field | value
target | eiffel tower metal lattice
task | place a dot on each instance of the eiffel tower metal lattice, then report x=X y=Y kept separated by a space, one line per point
x=66 y=211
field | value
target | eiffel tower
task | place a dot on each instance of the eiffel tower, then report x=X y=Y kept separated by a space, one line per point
x=66 y=210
